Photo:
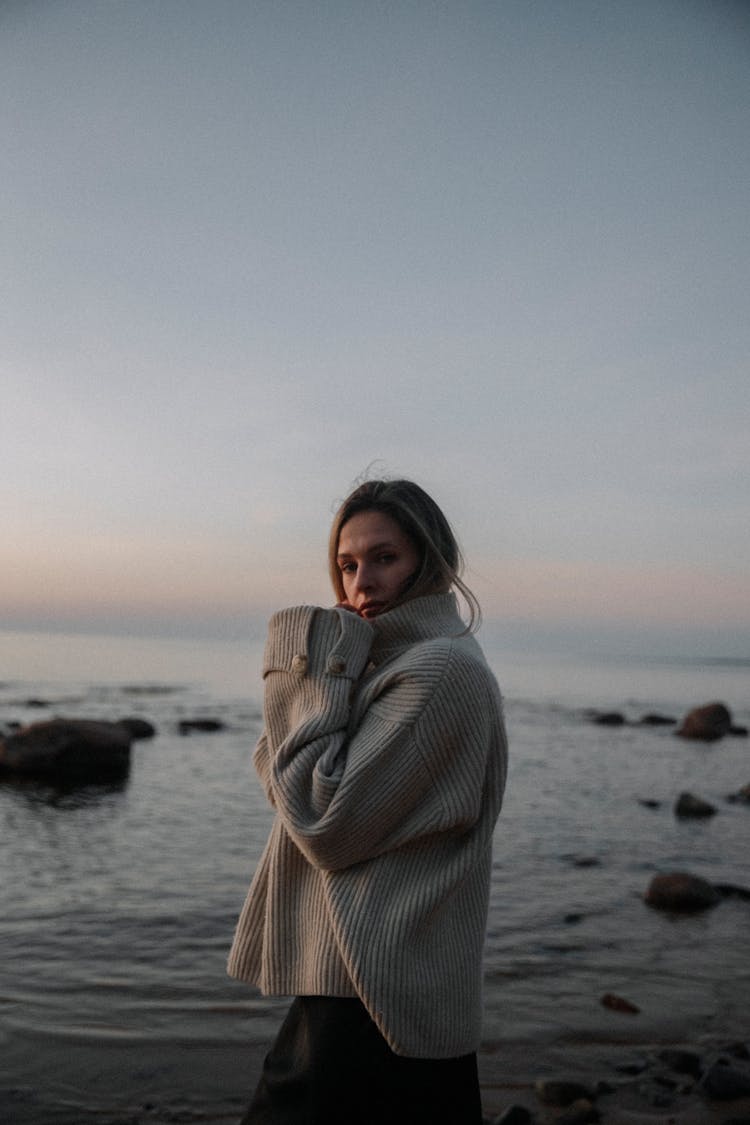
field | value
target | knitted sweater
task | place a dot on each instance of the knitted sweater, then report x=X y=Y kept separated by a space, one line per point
x=384 y=755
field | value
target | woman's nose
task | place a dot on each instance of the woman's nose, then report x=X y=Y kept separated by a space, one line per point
x=363 y=580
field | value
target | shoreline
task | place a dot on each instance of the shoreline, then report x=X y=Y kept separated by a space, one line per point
x=166 y=1082
x=627 y=1080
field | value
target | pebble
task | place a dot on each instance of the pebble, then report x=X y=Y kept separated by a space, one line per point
x=683 y=1062
x=557 y=1092
x=724 y=1082
x=619 y=1004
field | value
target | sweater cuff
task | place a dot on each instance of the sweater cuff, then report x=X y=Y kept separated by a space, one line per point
x=309 y=640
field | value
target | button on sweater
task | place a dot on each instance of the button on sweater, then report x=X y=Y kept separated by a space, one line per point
x=384 y=755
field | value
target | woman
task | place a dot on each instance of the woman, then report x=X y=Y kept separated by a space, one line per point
x=384 y=755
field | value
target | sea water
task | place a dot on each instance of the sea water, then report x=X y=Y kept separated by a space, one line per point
x=118 y=902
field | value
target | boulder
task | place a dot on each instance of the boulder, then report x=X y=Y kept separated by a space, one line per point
x=689 y=805
x=609 y=718
x=67 y=749
x=732 y=890
x=654 y=719
x=138 y=728
x=679 y=891
x=707 y=723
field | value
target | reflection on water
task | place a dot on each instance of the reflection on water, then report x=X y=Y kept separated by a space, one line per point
x=63 y=794
x=119 y=899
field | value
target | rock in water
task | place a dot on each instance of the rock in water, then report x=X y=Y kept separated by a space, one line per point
x=206 y=726
x=682 y=892
x=707 y=723
x=619 y=1004
x=609 y=718
x=725 y=1082
x=689 y=805
x=67 y=749
x=138 y=728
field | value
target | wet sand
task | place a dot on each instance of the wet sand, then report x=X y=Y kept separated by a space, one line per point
x=111 y=1083
x=630 y=1083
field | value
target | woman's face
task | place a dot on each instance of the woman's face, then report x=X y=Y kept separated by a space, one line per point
x=376 y=559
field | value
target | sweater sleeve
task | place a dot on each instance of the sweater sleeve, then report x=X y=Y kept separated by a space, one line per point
x=413 y=763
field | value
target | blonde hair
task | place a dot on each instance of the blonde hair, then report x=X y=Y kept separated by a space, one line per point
x=419 y=517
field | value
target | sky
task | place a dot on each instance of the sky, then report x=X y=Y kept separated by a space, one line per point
x=252 y=252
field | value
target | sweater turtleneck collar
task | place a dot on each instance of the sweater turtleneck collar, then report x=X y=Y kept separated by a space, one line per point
x=421 y=619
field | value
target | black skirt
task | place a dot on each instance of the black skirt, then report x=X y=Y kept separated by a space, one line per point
x=330 y=1065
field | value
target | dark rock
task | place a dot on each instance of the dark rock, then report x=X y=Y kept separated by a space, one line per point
x=206 y=726
x=631 y=1066
x=37 y=704
x=731 y=890
x=585 y=861
x=652 y=719
x=138 y=728
x=725 y=1082
x=689 y=805
x=649 y=802
x=681 y=1061
x=737 y=731
x=680 y=891
x=75 y=749
x=515 y=1115
x=618 y=1004
x=572 y=918
x=559 y=1092
x=707 y=723
x=609 y=718
x=666 y=1080
x=737 y=1050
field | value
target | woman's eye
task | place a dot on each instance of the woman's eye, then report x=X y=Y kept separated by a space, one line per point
x=348 y=568
x=387 y=558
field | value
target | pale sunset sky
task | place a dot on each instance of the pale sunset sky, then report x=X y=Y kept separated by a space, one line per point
x=249 y=249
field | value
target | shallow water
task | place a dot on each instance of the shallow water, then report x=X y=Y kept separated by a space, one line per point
x=119 y=901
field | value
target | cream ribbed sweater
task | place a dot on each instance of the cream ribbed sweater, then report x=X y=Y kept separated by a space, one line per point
x=384 y=754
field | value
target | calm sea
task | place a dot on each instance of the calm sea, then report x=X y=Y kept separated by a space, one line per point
x=119 y=901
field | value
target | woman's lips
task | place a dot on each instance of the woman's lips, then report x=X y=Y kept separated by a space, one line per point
x=371 y=609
